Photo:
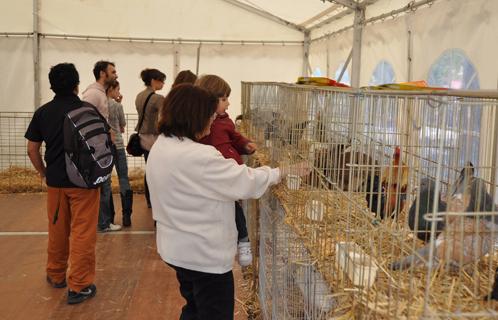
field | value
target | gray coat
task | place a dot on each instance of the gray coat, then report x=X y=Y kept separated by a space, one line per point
x=155 y=103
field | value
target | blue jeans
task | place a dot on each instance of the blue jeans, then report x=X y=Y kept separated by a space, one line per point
x=122 y=170
x=124 y=187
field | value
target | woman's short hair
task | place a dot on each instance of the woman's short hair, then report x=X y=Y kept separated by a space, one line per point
x=214 y=84
x=148 y=74
x=186 y=111
x=185 y=76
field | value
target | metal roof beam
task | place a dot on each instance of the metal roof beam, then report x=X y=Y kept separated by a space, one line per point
x=325 y=12
x=350 y=4
x=266 y=15
x=333 y=18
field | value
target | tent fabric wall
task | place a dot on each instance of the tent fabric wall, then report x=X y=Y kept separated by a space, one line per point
x=16 y=16
x=269 y=63
x=447 y=24
x=339 y=49
x=16 y=70
x=187 y=19
x=130 y=59
x=387 y=41
x=468 y=25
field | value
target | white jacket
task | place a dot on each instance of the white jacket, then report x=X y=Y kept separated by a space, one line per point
x=193 y=190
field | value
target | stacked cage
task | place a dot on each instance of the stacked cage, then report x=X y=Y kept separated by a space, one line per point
x=396 y=218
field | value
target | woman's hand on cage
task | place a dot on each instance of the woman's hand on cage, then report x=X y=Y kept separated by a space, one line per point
x=301 y=169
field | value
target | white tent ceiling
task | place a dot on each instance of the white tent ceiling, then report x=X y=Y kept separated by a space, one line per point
x=305 y=15
x=241 y=40
x=299 y=13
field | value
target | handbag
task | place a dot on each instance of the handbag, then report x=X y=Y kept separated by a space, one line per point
x=133 y=147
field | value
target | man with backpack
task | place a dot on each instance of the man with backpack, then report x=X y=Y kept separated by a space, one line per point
x=105 y=73
x=72 y=210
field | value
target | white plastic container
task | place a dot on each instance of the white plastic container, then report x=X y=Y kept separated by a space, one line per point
x=315 y=209
x=360 y=268
x=293 y=182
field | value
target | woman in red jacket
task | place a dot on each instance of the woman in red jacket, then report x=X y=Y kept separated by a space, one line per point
x=231 y=144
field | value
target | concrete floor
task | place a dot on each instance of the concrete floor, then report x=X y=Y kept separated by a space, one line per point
x=132 y=281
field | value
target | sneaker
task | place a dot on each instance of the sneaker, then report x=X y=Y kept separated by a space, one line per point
x=57 y=285
x=111 y=227
x=85 y=293
x=245 y=255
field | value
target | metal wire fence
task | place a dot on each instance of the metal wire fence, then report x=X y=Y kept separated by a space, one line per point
x=16 y=171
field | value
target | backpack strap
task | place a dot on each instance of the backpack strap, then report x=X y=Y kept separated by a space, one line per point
x=143 y=112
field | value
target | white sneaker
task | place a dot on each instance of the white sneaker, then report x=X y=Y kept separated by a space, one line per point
x=114 y=227
x=245 y=255
x=111 y=227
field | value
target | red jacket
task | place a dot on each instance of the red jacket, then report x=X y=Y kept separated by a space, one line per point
x=223 y=137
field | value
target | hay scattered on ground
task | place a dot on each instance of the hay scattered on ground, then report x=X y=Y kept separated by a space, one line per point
x=16 y=179
x=136 y=178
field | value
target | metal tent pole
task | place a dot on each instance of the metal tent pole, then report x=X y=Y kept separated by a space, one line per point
x=36 y=56
x=306 y=53
x=359 y=19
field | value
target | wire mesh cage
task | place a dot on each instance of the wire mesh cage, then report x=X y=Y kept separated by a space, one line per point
x=396 y=218
x=16 y=172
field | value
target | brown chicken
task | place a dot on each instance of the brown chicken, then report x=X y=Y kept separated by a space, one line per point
x=395 y=182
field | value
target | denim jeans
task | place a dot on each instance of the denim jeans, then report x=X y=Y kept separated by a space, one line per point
x=105 y=211
x=122 y=170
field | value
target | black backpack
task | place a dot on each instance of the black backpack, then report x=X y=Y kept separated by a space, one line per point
x=88 y=147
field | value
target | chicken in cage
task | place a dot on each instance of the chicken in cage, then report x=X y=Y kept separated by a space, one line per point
x=390 y=183
x=463 y=239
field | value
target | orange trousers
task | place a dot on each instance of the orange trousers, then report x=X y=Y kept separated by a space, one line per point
x=72 y=235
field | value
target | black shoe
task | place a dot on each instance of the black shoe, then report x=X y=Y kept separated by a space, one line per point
x=57 y=285
x=85 y=293
x=126 y=221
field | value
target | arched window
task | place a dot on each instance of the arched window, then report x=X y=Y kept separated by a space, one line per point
x=317 y=72
x=383 y=73
x=453 y=70
x=345 y=77
x=463 y=120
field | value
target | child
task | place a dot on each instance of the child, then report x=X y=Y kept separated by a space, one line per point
x=117 y=123
x=231 y=144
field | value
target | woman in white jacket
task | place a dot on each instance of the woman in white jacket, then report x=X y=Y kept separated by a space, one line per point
x=193 y=189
